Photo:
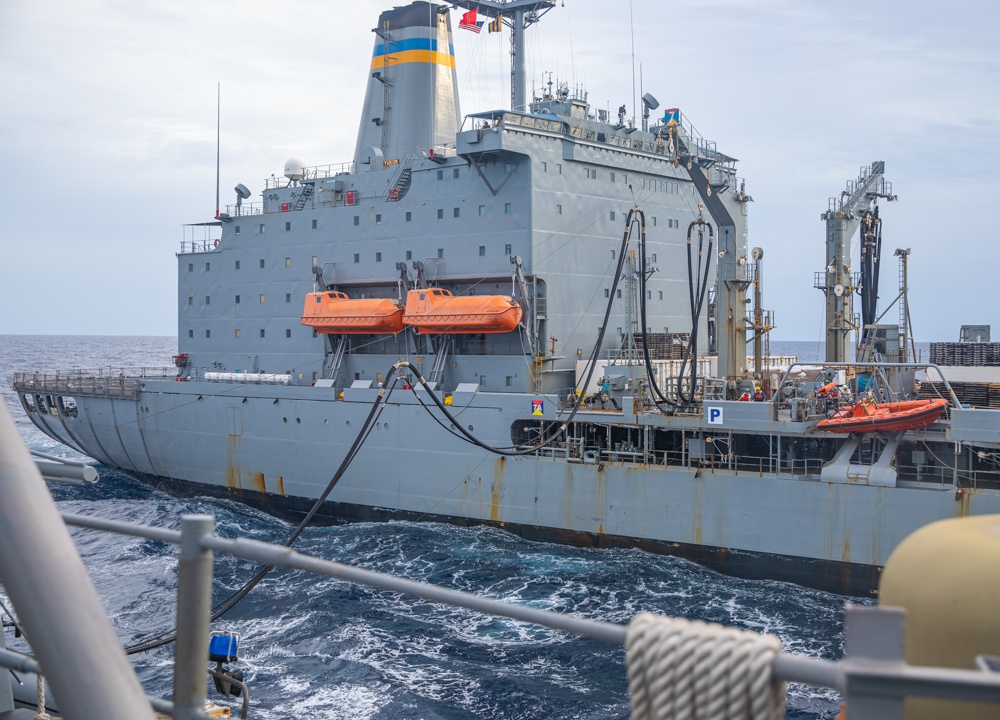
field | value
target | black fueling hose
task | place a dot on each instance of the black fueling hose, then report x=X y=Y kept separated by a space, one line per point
x=230 y=602
x=697 y=288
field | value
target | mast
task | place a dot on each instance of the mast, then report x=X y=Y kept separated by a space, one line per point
x=518 y=15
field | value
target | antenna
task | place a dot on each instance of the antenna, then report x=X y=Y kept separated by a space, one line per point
x=631 y=23
x=218 y=142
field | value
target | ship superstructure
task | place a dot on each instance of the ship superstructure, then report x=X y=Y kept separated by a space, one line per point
x=610 y=414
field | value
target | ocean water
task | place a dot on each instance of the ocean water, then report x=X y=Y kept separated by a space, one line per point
x=327 y=649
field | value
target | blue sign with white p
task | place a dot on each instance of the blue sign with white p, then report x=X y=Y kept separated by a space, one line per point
x=713 y=415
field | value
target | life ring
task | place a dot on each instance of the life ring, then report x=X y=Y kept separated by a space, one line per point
x=394 y=194
x=216 y=243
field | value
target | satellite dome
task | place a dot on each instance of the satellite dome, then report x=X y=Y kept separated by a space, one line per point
x=294 y=169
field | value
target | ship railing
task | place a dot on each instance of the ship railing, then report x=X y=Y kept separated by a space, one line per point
x=316 y=172
x=103 y=382
x=874 y=679
x=238 y=211
x=197 y=246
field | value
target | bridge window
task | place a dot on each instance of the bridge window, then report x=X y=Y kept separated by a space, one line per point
x=558 y=209
x=482 y=251
x=237 y=333
x=190 y=267
x=208 y=333
x=288 y=262
x=288 y=332
x=409 y=254
x=357 y=220
x=506 y=249
x=440 y=213
x=208 y=266
x=506 y=208
x=378 y=257
x=613 y=216
x=190 y=333
x=314 y=224
x=454 y=173
x=262 y=298
x=262 y=263
x=237 y=299
x=262 y=332
x=440 y=252
x=208 y=299
x=357 y=257
x=288 y=226
x=378 y=218
x=482 y=210
x=409 y=216
x=190 y=300
x=236 y=230
x=237 y=264
x=440 y=174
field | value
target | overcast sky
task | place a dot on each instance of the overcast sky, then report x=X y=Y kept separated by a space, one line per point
x=107 y=131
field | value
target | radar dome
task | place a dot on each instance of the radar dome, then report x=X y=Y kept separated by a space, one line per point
x=294 y=169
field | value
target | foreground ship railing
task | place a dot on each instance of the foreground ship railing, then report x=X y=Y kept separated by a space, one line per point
x=873 y=679
x=103 y=382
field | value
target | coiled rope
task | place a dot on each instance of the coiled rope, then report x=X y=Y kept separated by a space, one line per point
x=684 y=669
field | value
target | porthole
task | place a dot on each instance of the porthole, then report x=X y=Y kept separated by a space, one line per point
x=348 y=423
x=284 y=419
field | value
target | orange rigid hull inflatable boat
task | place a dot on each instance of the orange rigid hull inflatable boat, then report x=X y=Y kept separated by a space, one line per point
x=867 y=416
x=433 y=310
x=333 y=313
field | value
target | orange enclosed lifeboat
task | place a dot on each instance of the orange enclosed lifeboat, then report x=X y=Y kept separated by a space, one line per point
x=867 y=417
x=333 y=313
x=433 y=310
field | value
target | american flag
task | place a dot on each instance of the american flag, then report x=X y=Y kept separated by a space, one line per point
x=468 y=22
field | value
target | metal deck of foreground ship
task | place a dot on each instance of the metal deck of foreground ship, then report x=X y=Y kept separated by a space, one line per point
x=609 y=415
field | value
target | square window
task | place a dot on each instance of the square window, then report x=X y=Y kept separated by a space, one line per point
x=237 y=299
x=618 y=294
x=261 y=229
x=288 y=225
x=357 y=219
x=315 y=261
x=378 y=257
x=653 y=257
x=612 y=216
x=409 y=216
x=288 y=262
x=288 y=332
x=654 y=221
x=236 y=230
x=660 y=294
x=607 y=292
x=440 y=213
x=482 y=210
x=208 y=333
x=262 y=332
x=558 y=209
x=357 y=257
x=619 y=331
x=440 y=252
x=649 y=294
x=190 y=300
x=508 y=168
x=612 y=254
x=288 y=297
x=409 y=254
x=314 y=224
x=440 y=174
x=190 y=267
x=262 y=298
x=612 y=177
x=454 y=173
x=237 y=332
x=506 y=249
x=456 y=212
x=208 y=299
x=190 y=333
x=559 y=168
x=509 y=381
x=237 y=264
x=482 y=251
x=506 y=208
x=482 y=381
x=545 y=166
x=208 y=266
x=378 y=218
x=262 y=263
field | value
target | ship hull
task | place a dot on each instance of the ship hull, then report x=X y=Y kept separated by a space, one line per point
x=278 y=447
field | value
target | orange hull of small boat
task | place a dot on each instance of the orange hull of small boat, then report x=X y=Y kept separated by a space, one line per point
x=434 y=310
x=867 y=417
x=333 y=313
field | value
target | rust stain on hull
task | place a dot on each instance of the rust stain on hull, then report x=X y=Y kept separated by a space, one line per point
x=233 y=473
x=257 y=482
x=846 y=555
x=496 y=489
x=964 y=502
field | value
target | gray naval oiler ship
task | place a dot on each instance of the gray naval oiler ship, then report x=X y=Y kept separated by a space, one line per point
x=605 y=413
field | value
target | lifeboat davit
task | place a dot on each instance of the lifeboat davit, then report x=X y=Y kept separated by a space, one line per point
x=867 y=416
x=333 y=313
x=433 y=310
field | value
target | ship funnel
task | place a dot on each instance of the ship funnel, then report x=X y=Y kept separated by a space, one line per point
x=411 y=103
